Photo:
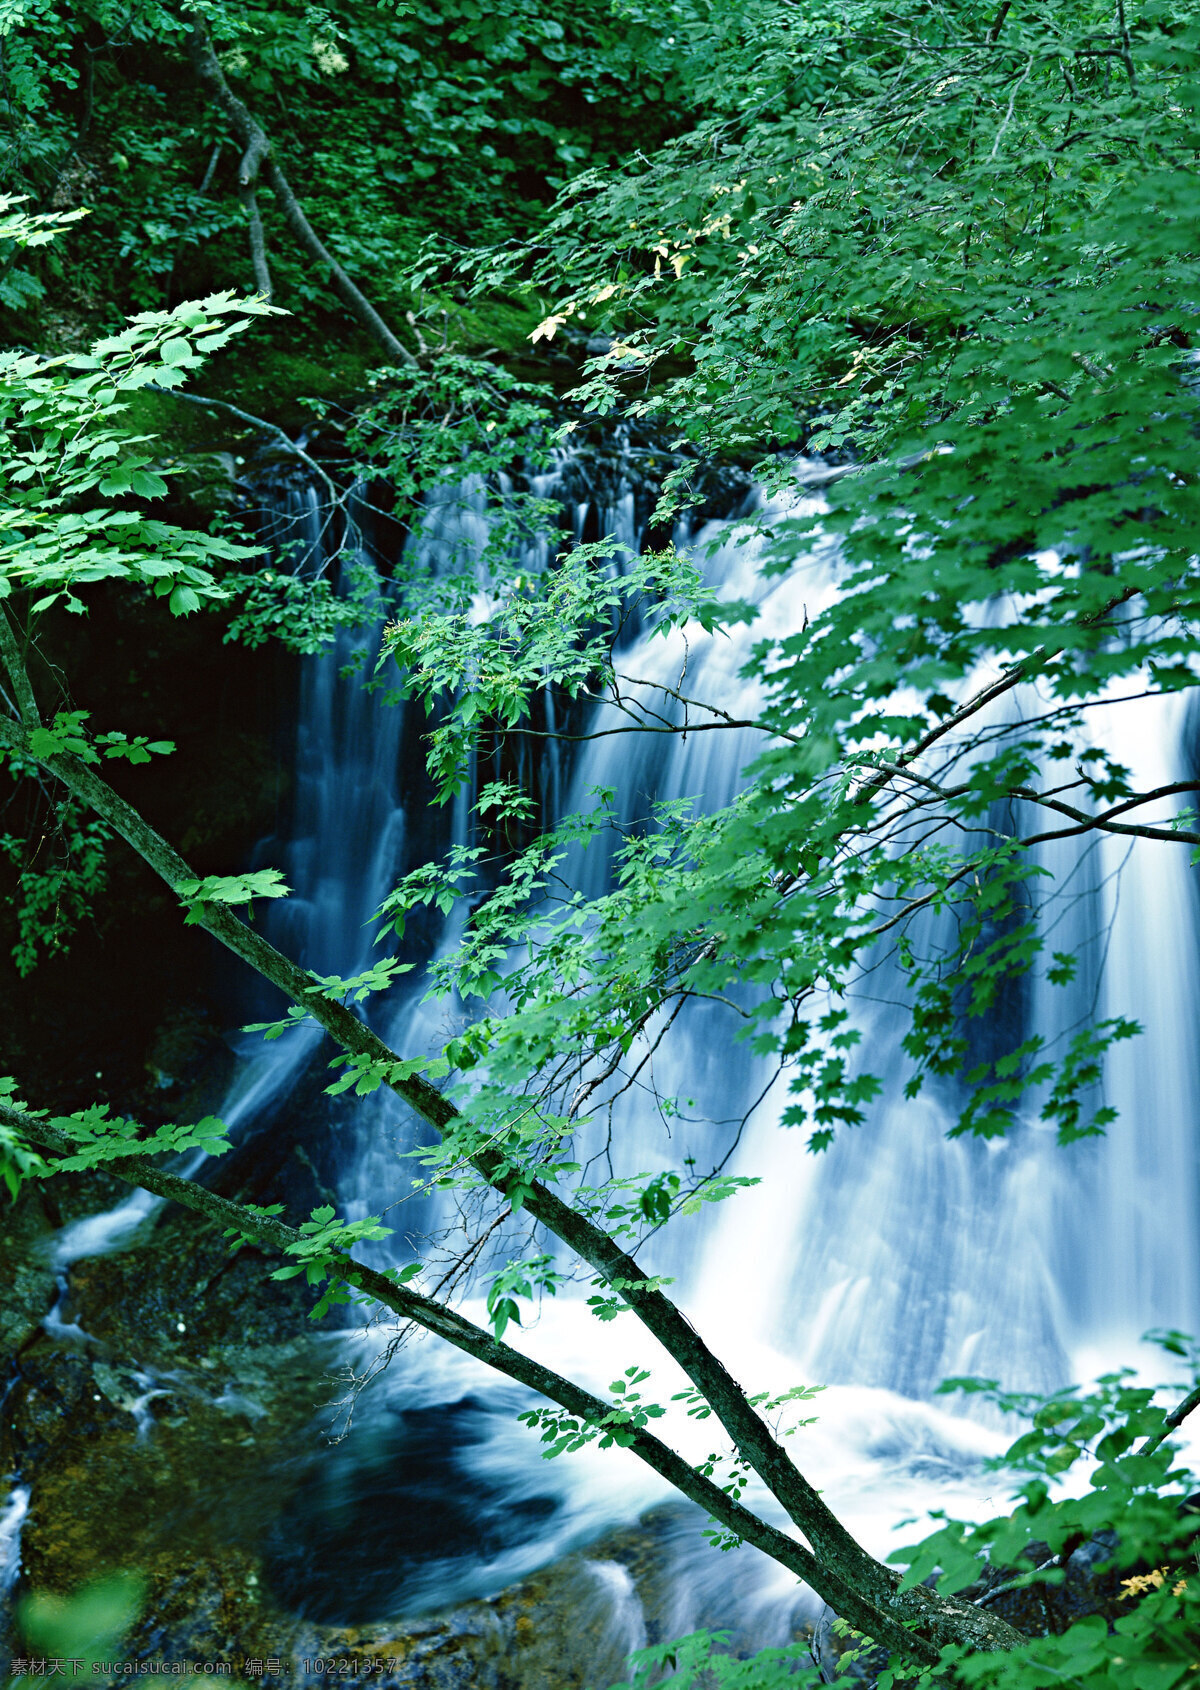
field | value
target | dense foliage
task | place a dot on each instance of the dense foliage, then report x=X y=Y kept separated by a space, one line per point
x=950 y=246
x=967 y=274
x=394 y=120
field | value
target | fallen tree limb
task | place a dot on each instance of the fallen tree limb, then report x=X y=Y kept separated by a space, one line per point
x=258 y=158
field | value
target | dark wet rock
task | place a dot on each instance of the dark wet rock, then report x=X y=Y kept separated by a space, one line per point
x=720 y=488
x=171 y=1439
x=26 y=1277
x=156 y=1436
x=1085 y=1585
x=1089 y=1586
x=181 y=1290
x=203 y=485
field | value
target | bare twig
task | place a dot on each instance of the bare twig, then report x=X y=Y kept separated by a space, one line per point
x=210 y=169
x=1012 y=100
x=1021 y=1583
x=276 y=433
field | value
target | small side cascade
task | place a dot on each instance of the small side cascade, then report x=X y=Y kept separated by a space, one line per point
x=622 y=1619
x=12 y=1518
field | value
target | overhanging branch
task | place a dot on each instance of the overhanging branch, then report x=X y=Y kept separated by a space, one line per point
x=938 y=1619
x=260 y=423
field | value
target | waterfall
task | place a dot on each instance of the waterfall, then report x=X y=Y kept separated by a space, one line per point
x=12 y=1517
x=876 y=1269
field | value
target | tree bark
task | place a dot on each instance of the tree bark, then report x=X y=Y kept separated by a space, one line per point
x=937 y=1619
x=258 y=244
x=18 y=674
x=259 y=157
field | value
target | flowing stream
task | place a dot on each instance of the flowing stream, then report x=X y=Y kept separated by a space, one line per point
x=891 y=1261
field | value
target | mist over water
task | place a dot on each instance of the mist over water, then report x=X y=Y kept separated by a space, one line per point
x=877 y=1269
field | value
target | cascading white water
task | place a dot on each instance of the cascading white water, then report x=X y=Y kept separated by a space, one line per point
x=12 y=1517
x=13 y=1512
x=877 y=1269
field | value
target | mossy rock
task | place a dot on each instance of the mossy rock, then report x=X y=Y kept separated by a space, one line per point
x=26 y=1277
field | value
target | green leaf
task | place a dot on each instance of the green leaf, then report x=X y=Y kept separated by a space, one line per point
x=230 y=889
x=184 y=600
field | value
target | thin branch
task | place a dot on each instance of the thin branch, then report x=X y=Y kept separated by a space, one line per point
x=1021 y=1583
x=1087 y=824
x=1176 y=1418
x=1012 y=677
x=620 y=1052
x=898 y=772
x=210 y=170
x=1011 y=103
x=467 y=1257
x=1104 y=821
x=1126 y=47
x=1168 y=836
x=699 y=704
x=277 y=434
x=642 y=728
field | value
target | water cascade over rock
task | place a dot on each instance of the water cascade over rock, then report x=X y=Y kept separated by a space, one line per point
x=877 y=1269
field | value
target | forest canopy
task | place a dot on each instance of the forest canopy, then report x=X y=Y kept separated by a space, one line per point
x=925 y=276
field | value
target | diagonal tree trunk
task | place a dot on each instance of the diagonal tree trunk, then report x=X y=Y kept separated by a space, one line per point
x=937 y=1619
